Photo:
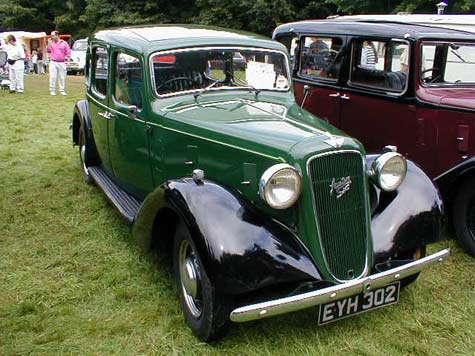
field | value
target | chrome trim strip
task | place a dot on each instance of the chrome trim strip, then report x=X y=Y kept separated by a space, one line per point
x=88 y=95
x=325 y=295
x=368 y=215
x=277 y=159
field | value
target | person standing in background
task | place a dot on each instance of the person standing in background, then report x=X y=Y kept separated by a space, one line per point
x=40 y=61
x=27 y=60
x=34 y=61
x=59 y=52
x=369 y=56
x=16 y=57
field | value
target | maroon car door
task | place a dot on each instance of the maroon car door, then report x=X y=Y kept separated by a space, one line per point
x=377 y=105
x=318 y=69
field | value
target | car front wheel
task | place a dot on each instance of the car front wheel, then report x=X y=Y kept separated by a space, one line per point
x=463 y=215
x=206 y=310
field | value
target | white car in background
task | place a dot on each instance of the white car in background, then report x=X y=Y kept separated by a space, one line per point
x=78 y=57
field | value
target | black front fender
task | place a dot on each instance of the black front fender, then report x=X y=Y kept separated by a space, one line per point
x=409 y=218
x=241 y=249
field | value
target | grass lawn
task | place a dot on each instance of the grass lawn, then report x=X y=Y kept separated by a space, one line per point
x=73 y=282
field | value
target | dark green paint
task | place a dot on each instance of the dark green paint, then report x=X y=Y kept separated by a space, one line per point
x=233 y=135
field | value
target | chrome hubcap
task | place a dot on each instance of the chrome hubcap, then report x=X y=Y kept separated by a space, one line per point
x=83 y=158
x=190 y=278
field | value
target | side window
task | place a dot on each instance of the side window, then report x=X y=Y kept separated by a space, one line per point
x=320 y=57
x=128 y=80
x=87 y=68
x=101 y=70
x=380 y=64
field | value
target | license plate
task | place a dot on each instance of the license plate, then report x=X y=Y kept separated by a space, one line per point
x=359 y=303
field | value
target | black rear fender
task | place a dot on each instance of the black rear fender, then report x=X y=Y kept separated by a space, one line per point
x=82 y=117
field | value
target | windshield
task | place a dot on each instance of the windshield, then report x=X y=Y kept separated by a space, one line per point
x=79 y=46
x=448 y=63
x=216 y=69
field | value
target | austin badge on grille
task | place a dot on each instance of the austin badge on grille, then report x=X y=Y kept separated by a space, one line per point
x=340 y=187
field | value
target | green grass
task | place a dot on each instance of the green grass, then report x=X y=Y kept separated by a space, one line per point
x=73 y=282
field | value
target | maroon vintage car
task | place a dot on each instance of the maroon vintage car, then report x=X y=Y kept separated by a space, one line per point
x=395 y=84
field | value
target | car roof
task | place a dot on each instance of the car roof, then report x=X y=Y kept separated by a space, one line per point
x=373 y=28
x=161 y=37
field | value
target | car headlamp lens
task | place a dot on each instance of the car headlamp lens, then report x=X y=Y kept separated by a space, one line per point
x=389 y=171
x=280 y=186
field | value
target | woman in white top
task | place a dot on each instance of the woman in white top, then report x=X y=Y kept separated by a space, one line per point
x=34 y=61
x=16 y=64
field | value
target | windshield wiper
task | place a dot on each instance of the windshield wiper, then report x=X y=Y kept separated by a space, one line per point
x=232 y=80
x=247 y=86
x=208 y=87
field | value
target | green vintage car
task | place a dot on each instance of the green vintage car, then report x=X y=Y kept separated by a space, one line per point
x=194 y=136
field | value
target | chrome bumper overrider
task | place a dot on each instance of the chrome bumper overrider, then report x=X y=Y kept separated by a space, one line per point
x=322 y=296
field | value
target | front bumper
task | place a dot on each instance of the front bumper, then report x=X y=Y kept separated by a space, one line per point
x=325 y=295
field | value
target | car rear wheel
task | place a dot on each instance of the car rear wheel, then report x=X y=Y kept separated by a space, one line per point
x=206 y=310
x=463 y=216
x=83 y=156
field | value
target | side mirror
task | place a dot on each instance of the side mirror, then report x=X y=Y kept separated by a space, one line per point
x=306 y=89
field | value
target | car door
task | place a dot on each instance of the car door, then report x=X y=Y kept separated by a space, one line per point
x=128 y=130
x=446 y=98
x=377 y=104
x=319 y=62
x=99 y=102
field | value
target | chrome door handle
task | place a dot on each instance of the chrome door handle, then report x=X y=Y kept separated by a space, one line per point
x=460 y=139
x=107 y=115
x=336 y=95
x=344 y=96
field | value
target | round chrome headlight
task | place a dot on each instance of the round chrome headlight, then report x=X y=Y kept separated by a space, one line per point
x=280 y=186
x=389 y=171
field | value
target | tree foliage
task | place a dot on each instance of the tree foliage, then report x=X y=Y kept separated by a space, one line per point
x=82 y=17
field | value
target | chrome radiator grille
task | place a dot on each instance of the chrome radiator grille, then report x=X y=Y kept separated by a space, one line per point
x=338 y=187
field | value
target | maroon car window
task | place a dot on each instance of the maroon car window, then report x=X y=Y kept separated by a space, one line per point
x=448 y=63
x=128 y=80
x=380 y=64
x=320 y=57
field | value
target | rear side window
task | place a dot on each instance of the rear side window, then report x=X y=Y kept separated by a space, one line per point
x=380 y=64
x=128 y=80
x=320 y=57
x=101 y=71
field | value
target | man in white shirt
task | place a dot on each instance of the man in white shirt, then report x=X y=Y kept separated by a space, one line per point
x=16 y=64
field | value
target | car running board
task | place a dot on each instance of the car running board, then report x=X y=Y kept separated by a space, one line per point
x=125 y=203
